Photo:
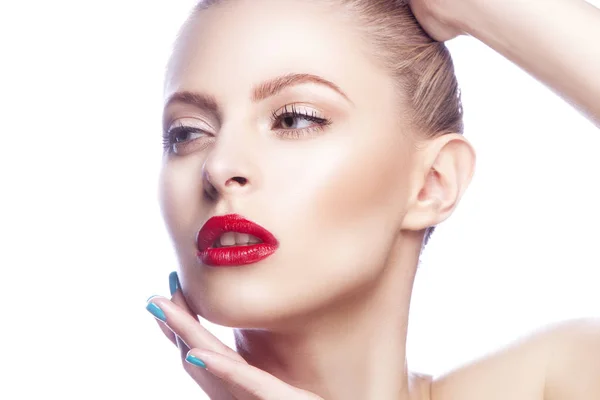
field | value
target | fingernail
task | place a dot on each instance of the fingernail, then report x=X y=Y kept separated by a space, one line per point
x=156 y=311
x=195 y=361
x=173 y=282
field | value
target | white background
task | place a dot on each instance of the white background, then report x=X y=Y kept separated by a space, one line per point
x=82 y=243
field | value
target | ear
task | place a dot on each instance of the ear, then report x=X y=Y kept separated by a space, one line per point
x=446 y=167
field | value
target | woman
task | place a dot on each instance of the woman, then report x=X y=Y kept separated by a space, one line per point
x=309 y=149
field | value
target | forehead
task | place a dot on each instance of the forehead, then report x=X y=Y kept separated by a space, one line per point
x=237 y=43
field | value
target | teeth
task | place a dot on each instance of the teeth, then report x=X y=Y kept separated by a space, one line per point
x=236 y=239
x=253 y=240
x=242 y=238
x=227 y=239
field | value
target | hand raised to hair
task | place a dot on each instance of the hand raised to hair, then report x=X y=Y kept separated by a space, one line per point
x=220 y=371
x=430 y=14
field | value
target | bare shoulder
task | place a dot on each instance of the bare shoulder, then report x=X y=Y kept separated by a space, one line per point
x=559 y=362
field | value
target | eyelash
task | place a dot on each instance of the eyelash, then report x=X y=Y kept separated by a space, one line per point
x=169 y=136
x=292 y=112
x=288 y=111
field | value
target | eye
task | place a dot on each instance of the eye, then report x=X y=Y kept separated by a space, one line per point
x=295 y=122
x=181 y=136
x=289 y=121
x=184 y=133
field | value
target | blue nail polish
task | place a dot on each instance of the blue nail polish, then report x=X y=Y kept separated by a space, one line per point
x=156 y=311
x=195 y=361
x=173 y=282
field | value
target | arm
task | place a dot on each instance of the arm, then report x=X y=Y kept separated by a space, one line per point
x=556 y=41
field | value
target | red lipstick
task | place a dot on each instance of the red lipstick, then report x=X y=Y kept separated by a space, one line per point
x=211 y=252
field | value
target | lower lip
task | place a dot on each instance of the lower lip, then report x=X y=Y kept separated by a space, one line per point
x=236 y=255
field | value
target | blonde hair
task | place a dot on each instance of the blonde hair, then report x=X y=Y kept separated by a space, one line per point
x=422 y=67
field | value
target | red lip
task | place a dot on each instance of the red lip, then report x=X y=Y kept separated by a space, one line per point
x=233 y=255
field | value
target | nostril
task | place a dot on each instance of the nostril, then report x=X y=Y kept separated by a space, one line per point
x=239 y=180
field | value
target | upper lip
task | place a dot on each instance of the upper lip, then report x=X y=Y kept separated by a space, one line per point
x=218 y=225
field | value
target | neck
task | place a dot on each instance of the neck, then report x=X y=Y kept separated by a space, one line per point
x=354 y=349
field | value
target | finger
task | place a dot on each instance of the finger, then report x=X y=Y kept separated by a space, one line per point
x=168 y=333
x=185 y=326
x=183 y=348
x=179 y=299
x=212 y=386
x=173 y=288
x=165 y=329
x=244 y=380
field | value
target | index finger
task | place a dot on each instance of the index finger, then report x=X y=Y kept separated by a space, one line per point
x=186 y=326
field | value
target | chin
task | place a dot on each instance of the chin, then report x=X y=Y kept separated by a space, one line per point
x=253 y=306
x=267 y=296
x=247 y=312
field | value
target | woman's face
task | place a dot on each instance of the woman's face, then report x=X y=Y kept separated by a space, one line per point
x=288 y=122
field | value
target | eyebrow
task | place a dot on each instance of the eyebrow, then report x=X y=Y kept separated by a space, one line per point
x=273 y=86
x=199 y=100
x=260 y=92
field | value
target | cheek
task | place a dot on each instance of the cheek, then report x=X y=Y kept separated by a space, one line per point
x=353 y=185
x=363 y=189
x=363 y=204
x=179 y=196
x=342 y=208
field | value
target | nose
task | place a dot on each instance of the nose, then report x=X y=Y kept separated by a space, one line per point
x=228 y=170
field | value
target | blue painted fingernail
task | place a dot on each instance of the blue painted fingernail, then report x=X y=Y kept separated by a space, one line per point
x=156 y=311
x=173 y=282
x=195 y=361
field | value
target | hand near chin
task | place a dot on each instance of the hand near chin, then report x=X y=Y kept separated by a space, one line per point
x=220 y=371
x=433 y=18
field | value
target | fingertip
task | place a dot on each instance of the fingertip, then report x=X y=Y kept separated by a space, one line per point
x=156 y=311
x=173 y=282
x=197 y=361
x=154 y=296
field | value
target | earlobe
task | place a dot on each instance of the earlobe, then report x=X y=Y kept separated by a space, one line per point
x=448 y=164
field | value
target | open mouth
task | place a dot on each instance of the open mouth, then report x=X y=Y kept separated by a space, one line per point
x=231 y=239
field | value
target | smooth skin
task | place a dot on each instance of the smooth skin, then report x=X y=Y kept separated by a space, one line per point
x=557 y=42
x=348 y=203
